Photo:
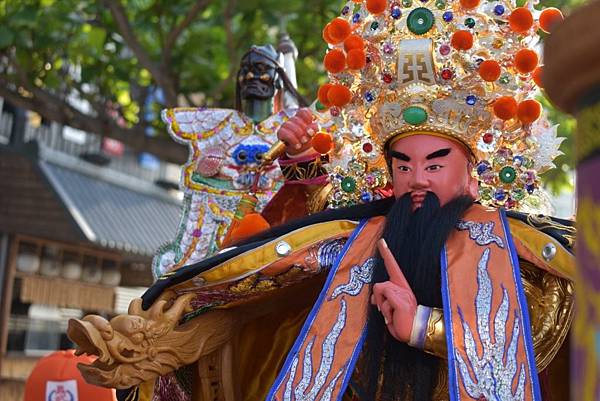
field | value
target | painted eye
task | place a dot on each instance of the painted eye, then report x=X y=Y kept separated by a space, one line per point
x=250 y=75
x=241 y=156
x=258 y=156
x=265 y=77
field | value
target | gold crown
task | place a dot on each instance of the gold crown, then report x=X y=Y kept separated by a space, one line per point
x=419 y=102
x=463 y=69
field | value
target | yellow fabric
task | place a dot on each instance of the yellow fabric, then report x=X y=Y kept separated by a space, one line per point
x=145 y=391
x=563 y=264
x=263 y=344
x=256 y=259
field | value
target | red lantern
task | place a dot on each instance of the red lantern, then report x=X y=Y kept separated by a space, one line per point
x=56 y=376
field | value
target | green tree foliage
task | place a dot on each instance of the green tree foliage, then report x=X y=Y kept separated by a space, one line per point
x=113 y=52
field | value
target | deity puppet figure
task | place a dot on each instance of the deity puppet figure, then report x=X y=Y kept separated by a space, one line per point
x=226 y=150
x=260 y=76
x=416 y=283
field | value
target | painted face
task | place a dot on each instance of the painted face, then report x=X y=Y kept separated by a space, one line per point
x=258 y=76
x=422 y=163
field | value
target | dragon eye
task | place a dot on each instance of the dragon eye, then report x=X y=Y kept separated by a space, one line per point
x=265 y=77
x=242 y=156
x=258 y=156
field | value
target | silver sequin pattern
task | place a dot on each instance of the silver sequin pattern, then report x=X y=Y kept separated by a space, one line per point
x=493 y=374
x=481 y=233
x=329 y=251
x=303 y=391
x=359 y=276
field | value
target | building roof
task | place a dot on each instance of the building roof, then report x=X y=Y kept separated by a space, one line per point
x=115 y=215
x=28 y=205
x=55 y=195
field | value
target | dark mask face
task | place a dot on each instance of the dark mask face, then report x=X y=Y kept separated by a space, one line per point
x=258 y=76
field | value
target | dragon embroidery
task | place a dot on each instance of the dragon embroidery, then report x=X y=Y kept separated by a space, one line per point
x=359 y=276
x=481 y=233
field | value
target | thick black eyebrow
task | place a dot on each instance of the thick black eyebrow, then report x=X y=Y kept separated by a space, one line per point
x=438 y=153
x=399 y=155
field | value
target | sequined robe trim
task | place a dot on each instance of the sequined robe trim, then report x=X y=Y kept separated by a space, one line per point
x=472 y=293
x=360 y=275
x=287 y=366
x=452 y=373
x=514 y=258
x=350 y=276
x=481 y=232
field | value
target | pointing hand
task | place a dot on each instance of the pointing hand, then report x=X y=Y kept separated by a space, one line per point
x=394 y=298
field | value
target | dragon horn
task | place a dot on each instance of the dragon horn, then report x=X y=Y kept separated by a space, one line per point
x=180 y=305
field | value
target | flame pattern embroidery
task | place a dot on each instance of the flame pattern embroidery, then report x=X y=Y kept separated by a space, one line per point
x=302 y=392
x=491 y=376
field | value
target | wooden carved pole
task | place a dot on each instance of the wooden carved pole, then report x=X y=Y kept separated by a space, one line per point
x=572 y=81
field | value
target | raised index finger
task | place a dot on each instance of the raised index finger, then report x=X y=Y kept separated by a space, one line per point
x=391 y=265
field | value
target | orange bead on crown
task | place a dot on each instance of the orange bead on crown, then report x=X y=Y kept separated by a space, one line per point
x=466 y=69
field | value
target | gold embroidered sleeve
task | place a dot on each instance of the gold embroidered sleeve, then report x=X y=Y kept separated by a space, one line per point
x=304 y=170
x=550 y=301
x=318 y=197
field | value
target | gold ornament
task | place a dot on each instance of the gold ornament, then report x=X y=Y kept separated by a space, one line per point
x=423 y=76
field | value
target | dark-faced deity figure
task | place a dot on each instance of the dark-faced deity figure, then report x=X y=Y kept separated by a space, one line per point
x=259 y=79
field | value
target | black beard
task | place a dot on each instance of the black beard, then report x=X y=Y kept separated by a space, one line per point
x=416 y=239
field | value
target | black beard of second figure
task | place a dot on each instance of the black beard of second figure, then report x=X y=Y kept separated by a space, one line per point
x=416 y=239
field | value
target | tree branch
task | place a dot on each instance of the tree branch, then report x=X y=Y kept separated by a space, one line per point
x=200 y=6
x=189 y=100
x=55 y=109
x=160 y=74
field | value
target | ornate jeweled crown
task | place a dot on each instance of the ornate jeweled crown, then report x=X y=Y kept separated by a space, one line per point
x=467 y=70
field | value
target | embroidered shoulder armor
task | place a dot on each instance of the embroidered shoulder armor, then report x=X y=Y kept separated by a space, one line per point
x=545 y=249
x=561 y=230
